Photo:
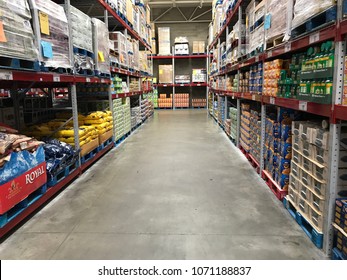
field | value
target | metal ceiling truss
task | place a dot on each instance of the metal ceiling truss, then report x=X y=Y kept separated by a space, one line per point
x=191 y=19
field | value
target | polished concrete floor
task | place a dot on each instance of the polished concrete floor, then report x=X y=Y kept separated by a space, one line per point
x=176 y=189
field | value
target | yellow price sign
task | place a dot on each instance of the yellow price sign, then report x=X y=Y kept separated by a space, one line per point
x=2 y=33
x=44 y=23
x=101 y=57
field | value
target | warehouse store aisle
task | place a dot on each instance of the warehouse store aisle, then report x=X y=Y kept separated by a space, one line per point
x=176 y=189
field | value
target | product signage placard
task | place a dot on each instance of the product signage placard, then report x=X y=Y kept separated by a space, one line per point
x=21 y=187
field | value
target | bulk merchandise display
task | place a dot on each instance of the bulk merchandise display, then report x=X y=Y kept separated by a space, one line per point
x=199 y=102
x=54 y=35
x=233 y=122
x=278 y=146
x=221 y=110
x=21 y=157
x=82 y=40
x=136 y=118
x=101 y=47
x=164 y=101
x=181 y=100
x=245 y=128
x=255 y=135
x=309 y=177
x=18 y=39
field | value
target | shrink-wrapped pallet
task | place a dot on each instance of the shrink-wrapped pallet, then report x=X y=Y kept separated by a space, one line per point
x=101 y=46
x=18 y=39
x=119 y=44
x=54 y=34
x=304 y=9
x=82 y=35
x=276 y=19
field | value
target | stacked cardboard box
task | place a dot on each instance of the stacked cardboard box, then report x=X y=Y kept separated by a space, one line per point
x=245 y=127
x=198 y=47
x=164 y=102
x=256 y=79
x=182 y=100
x=341 y=225
x=221 y=109
x=255 y=143
x=118 y=118
x=199 y=102
x=119 y=45
x=164 y=40
x=309 y=172
x=233 y=122
x=165 y=74
x=199 y=75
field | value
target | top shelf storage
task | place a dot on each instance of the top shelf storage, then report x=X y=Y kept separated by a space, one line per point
x=193 y=56
x=122 y=21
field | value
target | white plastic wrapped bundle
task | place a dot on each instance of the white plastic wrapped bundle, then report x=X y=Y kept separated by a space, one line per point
x=277 y=10
x=82 y=38
x=58 y=34
x=15 y=16
x=101 y=46
x=119 y=42
x=304 y=9
x=136 y=54
x=81 y=30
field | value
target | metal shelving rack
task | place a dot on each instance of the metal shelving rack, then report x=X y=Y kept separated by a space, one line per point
x=20 y=82
x=183 y=85
x=336 y=112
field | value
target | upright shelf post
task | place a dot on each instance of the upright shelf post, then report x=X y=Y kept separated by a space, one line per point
x=173 y=78
x=73 y=93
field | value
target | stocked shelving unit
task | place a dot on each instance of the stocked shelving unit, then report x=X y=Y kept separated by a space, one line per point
x=333 y=111
x=187 y=86
x=16 y=83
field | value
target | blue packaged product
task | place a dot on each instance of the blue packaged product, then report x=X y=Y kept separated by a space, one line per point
x=286 y=151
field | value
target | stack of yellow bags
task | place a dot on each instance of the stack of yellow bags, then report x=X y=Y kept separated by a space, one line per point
x=101 y=121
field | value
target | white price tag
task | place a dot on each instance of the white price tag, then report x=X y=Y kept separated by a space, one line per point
x=269 y=54
x=117 y=95
x=56 y=78
x=165 y=85
x=199 y=85
x=288 y=47
x=233 y=97
x=257 y=59
x=253 y=97
x=272 y=100
x=314 y=38
x=6 y=75
x=303 y=105
x=102 y=81
x=182 y=85
x=88 y=80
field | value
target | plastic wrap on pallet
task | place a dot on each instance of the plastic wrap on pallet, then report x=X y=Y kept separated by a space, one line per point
x=58 y=36
x=277 y=16
x=304 y=9
x=82 y=38
x=19 y=163
x=101 y=46
x=15 y=17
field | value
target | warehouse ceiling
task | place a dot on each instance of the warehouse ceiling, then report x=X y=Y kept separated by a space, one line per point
x=163 y=11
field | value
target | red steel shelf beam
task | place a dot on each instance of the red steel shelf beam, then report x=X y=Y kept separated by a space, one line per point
x=124 y=24
x=128 y=94
x=183 y=85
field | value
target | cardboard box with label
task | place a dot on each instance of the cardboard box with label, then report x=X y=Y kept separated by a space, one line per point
x=199 y=76
x=164 y=40
x=165 y=74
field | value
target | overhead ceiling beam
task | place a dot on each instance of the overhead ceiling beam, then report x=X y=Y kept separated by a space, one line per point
x=193 y=13
x=90 y=9
x=168 y=10
x=204 y=13
x=182 y=13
